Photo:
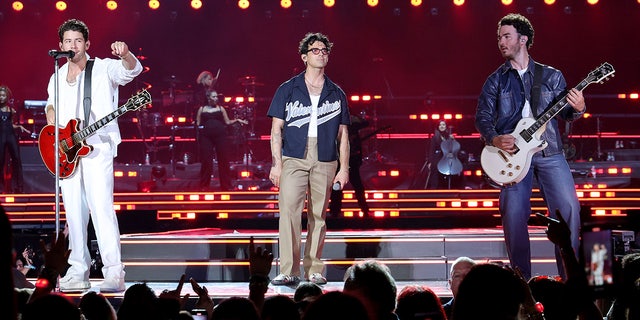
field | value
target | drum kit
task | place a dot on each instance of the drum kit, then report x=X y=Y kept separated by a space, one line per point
x=181 y=105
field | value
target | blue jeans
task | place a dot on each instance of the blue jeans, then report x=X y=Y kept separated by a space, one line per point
x=559 y=192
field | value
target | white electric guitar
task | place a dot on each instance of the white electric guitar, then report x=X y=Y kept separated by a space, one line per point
x=506 y=168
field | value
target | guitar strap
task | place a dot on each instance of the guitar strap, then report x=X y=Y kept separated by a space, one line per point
x=87 y=91
x=536 y=89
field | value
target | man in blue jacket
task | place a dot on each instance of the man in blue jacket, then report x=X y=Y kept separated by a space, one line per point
x=506 y=98
x=309 y=136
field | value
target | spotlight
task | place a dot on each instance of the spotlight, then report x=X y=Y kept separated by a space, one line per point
x=372 y=3
x=243 y=4
x=17 y=5
x=112 y=5
x=61 y=6
x=329 y=3
x=154 y=4
x=285 y=4
x=196 y=4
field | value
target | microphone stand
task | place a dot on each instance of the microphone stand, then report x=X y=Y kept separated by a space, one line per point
x=57 y=142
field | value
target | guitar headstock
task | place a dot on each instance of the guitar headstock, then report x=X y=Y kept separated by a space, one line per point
x=602 y=73
x=141 y=99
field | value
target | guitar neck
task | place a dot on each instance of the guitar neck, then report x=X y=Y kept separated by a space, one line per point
x=554 y=110
x=87 y=131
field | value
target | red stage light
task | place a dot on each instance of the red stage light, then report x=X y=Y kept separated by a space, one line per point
x=17 y=6
x=633 y=96
x=154 y=4
x=329 y=3
x=243 y=4
x=196 y=4
x=61 y=6
x=286 y=4
x=112 y=5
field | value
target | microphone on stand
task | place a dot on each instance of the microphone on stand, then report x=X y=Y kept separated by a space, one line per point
x=61 y=54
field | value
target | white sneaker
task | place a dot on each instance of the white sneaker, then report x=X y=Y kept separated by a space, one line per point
x=112 y=284
x=74 y=285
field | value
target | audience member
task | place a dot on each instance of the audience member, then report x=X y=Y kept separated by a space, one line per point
x=336 y=305
x=279 y=307
x=306 y=292
x=417 y=302
x=459 y=270
x=204 y=300
x=554 y=296
x=95 y=306
x=578 y=298
x=51 y=306
x=489 y=291
x=260 y=261
x=624 y=307
x=372 y=283
x=6 y=241
x=139 y=302
x=236 y=308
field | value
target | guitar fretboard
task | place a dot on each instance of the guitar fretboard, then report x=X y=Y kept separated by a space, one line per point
x=87 y=131
x=527 y=134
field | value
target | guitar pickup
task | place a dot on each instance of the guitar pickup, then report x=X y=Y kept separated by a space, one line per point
x=503 y=156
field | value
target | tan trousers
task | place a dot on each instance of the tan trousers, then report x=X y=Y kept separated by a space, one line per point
x=302 y=177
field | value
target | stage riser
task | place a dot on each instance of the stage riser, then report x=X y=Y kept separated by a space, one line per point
x=409 y=258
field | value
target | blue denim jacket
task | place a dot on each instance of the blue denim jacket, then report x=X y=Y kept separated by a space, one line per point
x=502 y=99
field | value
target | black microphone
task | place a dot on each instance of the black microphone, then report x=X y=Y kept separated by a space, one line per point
x=60 y=54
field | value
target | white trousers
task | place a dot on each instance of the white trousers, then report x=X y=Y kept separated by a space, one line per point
x=89 y=192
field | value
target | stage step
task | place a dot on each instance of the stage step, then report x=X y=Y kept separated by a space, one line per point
x=212 y=255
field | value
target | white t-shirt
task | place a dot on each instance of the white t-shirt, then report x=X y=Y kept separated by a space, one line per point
x=313 y=118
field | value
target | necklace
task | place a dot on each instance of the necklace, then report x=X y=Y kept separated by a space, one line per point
x=314 y=89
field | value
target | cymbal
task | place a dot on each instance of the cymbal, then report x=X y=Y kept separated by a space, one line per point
x=172 y=79
x=250 y=81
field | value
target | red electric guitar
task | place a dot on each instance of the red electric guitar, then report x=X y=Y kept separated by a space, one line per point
x=72 y=144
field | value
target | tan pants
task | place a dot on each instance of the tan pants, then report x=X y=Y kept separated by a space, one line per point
x=298 y=177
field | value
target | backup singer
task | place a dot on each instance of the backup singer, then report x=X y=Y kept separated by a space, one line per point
x=212 y=121
x=9 y=141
